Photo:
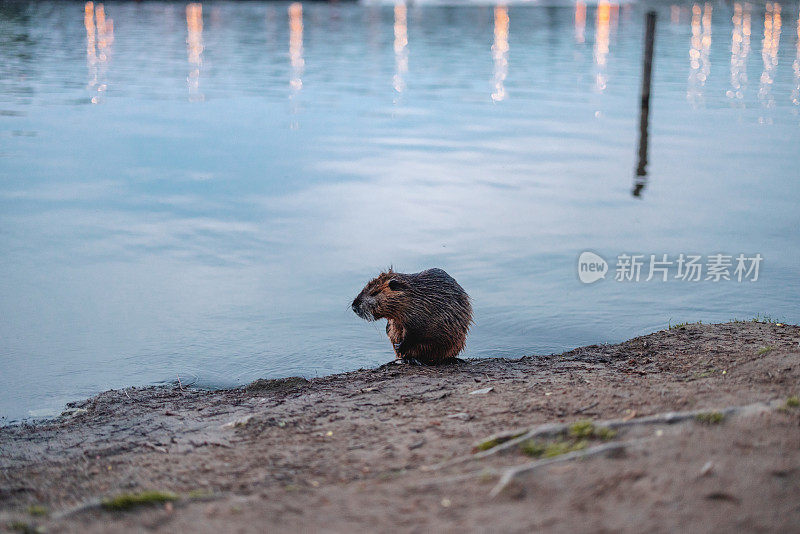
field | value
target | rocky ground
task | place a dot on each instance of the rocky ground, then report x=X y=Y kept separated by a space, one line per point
x=406 y=448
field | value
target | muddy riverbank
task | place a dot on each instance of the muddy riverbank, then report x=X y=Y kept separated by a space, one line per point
x=407 y=448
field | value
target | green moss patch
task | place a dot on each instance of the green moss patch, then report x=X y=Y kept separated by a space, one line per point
x=792 y=402
x=531 y=447
x=128 y=501
x=558 y=448
x=763 y=350
x=586 y=429
x=581 y=429
x=709 y=418
x=605 y=433
x=37 y=510
x=494 y=442
x=488 y=444
x=551 y=449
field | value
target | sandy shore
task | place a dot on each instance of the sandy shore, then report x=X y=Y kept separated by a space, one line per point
x=364 y=451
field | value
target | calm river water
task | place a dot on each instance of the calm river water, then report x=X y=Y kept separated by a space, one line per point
x=200 y=190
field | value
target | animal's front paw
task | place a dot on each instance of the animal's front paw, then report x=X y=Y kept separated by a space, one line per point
x=391 y=364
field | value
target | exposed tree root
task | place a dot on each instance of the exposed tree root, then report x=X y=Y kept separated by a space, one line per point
x=509 y=473
x=510 y=439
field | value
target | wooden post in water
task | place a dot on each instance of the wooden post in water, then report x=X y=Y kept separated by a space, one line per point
x=644 y=109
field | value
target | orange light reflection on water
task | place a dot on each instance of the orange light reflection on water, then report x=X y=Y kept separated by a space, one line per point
x=88 y=23
x=105 y=31
x=601 y=43
x=500 y=52
x=400 y=47
x=296 y=56
x=296 y=45
x=99 y=37
x=580 y=22
x=194 y=48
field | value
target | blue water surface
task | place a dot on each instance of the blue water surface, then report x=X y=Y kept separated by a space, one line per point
x=199 y=191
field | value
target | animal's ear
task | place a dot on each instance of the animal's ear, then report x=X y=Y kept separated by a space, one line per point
x=397 y=285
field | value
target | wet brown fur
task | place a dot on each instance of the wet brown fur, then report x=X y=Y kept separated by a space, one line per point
x=428 y=314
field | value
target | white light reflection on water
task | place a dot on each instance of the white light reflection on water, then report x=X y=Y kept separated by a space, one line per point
x=769 y=55
x=700 y=52
x=740 y=49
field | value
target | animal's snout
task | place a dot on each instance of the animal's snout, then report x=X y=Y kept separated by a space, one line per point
x=357 y=304
x=363 y=307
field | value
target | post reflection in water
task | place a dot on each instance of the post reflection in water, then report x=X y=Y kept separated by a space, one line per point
x=601 y=44
x=194 y=48
x=400 y=47
x=640 y=180
x=500 y=52
x=99 y=38
x=740 y=49
x=580 y=22
x=699 y=53
x=769 y=54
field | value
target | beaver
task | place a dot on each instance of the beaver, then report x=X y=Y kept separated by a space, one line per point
x=428 y=314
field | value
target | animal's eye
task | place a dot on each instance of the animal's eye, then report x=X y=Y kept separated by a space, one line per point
x=395 y=285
